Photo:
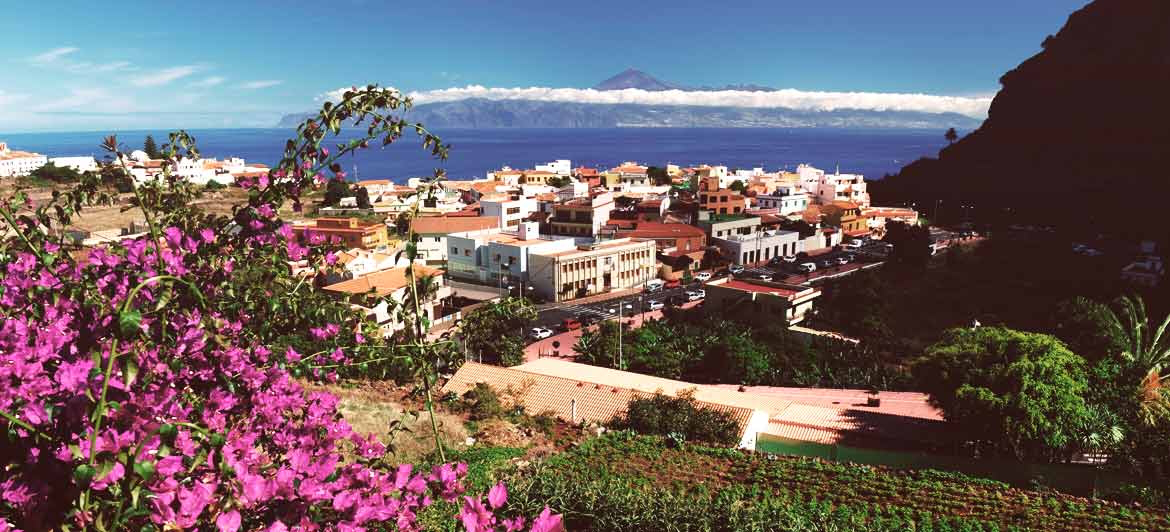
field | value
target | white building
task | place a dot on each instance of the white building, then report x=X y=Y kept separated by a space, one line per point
x=15 y=163
x=842 y=187
x=809 y=178
x=787 y=200
x=80 y=164
x=498 y=257
x=510 y=211
x=380 y=294
x=592 y=268
x=759 y=246
x=561 y=167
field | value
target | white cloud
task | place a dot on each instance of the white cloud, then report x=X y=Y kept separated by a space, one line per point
x=260 y=84
x=53 y=55
x=164 y=76
x=87 y=99
x=785 y=98
x=209 y=81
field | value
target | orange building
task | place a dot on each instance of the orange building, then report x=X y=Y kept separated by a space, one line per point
x=352 y=232
x=719 y=200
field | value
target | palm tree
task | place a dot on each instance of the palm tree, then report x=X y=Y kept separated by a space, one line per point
x=951 y=135
x=1147 y=352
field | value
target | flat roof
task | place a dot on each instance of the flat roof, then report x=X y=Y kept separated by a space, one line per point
x=749 y=286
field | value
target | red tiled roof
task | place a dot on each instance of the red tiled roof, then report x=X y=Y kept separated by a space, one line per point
x=562 y=397
x=435 y=225
x=661 y=230
x=380 y=283
x=748 y=286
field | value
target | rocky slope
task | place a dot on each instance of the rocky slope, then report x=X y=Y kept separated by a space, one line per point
x=1079 y=134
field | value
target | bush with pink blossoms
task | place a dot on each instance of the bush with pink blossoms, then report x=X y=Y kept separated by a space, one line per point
x=152 y=384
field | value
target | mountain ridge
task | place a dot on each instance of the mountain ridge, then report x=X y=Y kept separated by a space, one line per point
x=489 y=113
x=1076 y=136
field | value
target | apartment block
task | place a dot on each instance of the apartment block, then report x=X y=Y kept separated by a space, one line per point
x=592 y=268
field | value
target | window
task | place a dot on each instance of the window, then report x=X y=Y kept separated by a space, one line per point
x=454 y=250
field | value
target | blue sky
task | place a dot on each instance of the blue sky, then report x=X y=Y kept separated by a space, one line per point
x=72 y=65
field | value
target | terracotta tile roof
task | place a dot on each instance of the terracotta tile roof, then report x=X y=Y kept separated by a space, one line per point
x=380 y=283
x=585 y=172
x=436 y=225
x=648 y=384
x=546 y=393
x=629 y=169
x=368 y=182
x=832 y=425
x=748 y=286
x=660 y=230
x=539 y=172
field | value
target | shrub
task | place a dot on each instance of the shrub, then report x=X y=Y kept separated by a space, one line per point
x=482 y=402
x=664 y=415
x=141 y=388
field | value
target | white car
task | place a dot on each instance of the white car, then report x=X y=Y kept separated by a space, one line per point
x=540 y=333
x=695 y=295
x=789 y=258
x=735 y=269
x=655 y=305
x=764 y=277
x=703 y=277
x=807 y=267
x=852 y=244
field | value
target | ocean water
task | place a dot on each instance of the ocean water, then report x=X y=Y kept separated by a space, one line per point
x=874 y=152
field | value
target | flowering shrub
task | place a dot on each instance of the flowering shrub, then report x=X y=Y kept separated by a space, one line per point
x=150 y=384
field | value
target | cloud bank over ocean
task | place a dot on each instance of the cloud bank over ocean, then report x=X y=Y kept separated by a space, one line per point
x=973 y=106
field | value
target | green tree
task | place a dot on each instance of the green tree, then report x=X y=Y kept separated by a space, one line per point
x=494 y=333
x=151 y=148
x=559 y=181
x=1015 y=393
x=599 y=346
x=1145 y=353
x=55 y=174
x=334 y=191
x=737 y=186
x=363 y=198
x=658 y=175
x=951 y=135
x=911 y=245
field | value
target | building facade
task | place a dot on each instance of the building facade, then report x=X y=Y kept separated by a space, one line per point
x=592 y=268
x=581 y=217
x=510 y=212
x=15 y=163
x=350 y=232
x=771 y=300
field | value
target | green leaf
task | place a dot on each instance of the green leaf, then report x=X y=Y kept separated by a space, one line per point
x=129 y=372
x=144 y=470
x=130 y=322
x=83 y=474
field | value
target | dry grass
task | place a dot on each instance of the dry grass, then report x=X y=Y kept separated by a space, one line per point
x=372 y=408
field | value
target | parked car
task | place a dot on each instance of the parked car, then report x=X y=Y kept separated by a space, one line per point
x=655 y=305
x=807 y=267
x=789 y=259
x=828 y=263
x=842 y=260
x=673 y=283
x=571 y=324
x=764 y=276
x=695 y=295
x=540 y=333
x=654 y=285
x=854 y=244
x=703 y=277
x=735 y=269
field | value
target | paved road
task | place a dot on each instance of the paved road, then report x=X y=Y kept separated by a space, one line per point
x=552 y=315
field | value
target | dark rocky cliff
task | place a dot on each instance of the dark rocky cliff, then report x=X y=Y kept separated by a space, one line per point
x=1078 y=134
